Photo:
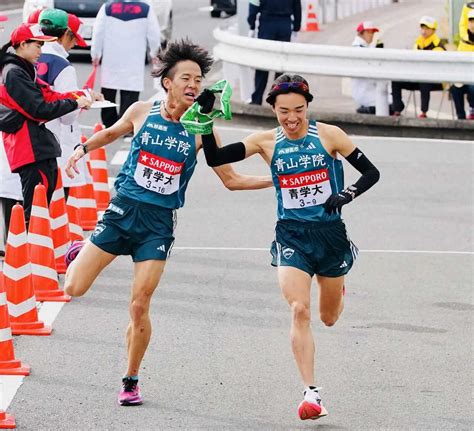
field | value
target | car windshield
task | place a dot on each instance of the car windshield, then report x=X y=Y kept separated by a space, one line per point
x=81 y=8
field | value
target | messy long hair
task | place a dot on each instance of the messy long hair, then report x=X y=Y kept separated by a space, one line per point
x=181 y=50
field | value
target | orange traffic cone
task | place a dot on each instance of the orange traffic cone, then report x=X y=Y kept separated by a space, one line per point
x=59 y=225
x=8 y=364
x=311 y=19
x=43 y=266
x=100 y=174
x=6 y=421
x=19 y=281
x=75 y=229
x=87 y=203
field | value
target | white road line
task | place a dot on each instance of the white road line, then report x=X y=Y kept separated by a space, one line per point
x=411 y=140
x=119 y=157
x=454 y=252
x=204 y=9
x=9 y=385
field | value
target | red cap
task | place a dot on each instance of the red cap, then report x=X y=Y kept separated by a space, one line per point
x=74 y=23
x=26 y=32
x=33 y=17
x=3 y=18
x=366 y=25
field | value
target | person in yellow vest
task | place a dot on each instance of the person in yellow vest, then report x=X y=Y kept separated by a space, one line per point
x=466 y=44
x=464 y=20
x=427 y=41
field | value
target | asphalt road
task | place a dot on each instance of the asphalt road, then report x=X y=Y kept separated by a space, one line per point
x=399 y=358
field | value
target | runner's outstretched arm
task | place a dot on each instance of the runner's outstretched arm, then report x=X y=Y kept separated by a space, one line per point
x=233 y=180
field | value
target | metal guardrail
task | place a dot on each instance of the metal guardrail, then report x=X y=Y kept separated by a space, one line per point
x=381 y=64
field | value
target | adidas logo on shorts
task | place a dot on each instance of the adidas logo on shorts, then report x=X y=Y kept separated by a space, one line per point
x=343 y=265
x=162 y=248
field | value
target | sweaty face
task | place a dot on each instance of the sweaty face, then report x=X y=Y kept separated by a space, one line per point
x=184 y=82
x=291 y=110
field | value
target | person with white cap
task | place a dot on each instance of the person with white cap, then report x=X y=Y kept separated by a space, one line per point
x=364 y=90
x=30 y=147
x=427 y=41
x=466 y=44
x=57 y=71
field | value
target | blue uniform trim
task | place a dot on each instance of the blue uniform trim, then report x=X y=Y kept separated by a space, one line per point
x=160 y=164
x=50 y=66
x=127 y=11
x=304 y=175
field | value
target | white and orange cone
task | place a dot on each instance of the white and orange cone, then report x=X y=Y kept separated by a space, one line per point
x=59 y=225
x=19 y=281
x=9 y=365
x=100 y=174
x=75 y=229
x=43 y=265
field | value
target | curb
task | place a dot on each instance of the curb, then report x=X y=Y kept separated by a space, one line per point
x=368 y=125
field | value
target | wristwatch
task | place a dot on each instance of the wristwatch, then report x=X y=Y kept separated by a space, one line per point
x=83 y=146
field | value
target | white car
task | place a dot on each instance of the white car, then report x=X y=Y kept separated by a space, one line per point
x=87 y=10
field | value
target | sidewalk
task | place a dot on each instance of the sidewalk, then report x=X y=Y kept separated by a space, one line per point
x=399 y=29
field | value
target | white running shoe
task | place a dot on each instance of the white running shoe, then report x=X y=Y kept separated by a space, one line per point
x=311 y=407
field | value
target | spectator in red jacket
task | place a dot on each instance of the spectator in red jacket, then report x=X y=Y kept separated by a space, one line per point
x=30 y=147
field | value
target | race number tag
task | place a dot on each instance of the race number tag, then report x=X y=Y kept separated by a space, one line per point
x=157 y=174
x=306 y=189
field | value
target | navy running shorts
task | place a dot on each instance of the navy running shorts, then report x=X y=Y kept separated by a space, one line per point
x=141 y=230
x=321 y=248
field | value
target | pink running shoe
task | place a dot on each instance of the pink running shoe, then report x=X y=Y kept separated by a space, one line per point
x=130 y=394
x=73 y=251
x=311 y=407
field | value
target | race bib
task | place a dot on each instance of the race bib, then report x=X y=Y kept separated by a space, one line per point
x=157 y=174
x=305 y=189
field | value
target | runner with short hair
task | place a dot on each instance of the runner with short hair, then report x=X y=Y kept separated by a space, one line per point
x=140 y=219
x=310 y=236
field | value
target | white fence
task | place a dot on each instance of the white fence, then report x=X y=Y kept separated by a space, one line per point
x=332 y=10
x=328 y=60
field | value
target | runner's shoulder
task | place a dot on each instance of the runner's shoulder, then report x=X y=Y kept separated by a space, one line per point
x=262 y=138
x=139 y=108
x=329 y=132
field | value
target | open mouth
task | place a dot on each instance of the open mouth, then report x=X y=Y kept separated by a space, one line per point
x=190 y=94
x=292 y=126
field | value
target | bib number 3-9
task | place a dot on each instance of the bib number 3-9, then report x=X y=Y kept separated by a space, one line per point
x=305 y=190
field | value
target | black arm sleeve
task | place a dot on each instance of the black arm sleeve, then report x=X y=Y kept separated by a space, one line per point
x=370 y=174
x=26 y=94
x=296 y=15
x=216 y=156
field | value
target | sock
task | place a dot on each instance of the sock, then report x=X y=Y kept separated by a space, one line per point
x=131 y=377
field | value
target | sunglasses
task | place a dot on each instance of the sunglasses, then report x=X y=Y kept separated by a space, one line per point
x=287 y=85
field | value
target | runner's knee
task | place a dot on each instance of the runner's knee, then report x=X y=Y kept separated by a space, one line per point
x=329 y=319
x=301 y=313
x=139 y=309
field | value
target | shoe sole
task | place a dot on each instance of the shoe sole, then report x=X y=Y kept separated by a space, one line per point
x=307 y=411
x=130 y=403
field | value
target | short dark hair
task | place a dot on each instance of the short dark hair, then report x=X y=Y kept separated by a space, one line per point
x=181 y=50
x=286 y=78
x=49 y=29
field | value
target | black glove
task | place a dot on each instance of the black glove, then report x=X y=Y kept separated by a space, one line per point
x=206 y=100
x=334 y=203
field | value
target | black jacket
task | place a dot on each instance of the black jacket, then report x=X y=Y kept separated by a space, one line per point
x=35 y=104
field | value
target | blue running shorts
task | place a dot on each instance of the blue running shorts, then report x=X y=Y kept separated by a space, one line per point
x=141 y=230
x=321 y=248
